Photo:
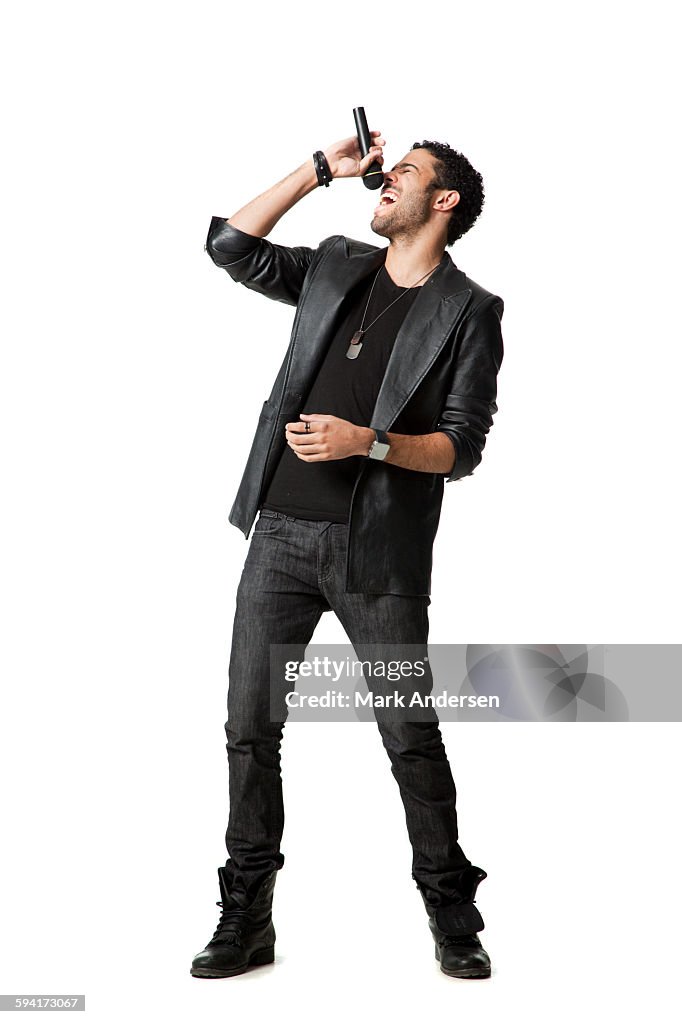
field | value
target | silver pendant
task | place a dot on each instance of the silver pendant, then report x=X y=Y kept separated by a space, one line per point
x=355 y=345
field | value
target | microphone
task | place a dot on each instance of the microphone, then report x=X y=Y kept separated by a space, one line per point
x=373 y=176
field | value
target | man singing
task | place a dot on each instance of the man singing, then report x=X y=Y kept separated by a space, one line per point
x=387 y=390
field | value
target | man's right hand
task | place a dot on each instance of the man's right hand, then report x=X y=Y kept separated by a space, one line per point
x=345 y=159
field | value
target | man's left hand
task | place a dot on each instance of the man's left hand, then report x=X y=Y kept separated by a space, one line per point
x=327 y=438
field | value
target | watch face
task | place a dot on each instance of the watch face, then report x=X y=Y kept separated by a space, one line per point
x=379 y=450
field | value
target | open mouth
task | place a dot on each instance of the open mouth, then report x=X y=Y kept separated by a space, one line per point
x=388 y=198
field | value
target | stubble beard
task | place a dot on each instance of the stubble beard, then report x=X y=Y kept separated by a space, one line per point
x=405 y=219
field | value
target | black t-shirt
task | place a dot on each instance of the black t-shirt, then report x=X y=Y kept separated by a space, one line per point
x=347 y=388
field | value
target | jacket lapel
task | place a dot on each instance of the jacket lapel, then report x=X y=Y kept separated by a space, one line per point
x=430 y=320
x=339 y=273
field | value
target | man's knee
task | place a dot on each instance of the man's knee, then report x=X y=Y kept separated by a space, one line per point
x=252 y=734
x=412 y=739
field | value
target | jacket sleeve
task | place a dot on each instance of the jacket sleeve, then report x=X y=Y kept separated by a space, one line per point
x=276 y=271
x=471 y=403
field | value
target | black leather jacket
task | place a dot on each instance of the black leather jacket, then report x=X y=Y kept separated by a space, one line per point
x=441 y=376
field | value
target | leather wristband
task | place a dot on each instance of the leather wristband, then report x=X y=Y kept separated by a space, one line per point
x=324 y=175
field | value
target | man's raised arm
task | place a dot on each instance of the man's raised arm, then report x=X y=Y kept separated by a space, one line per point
x=238 y=244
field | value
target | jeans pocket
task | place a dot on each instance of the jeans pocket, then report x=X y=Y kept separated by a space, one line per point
x=267 y=524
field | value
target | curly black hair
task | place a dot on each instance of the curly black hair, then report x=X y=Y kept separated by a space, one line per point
x=454 y=172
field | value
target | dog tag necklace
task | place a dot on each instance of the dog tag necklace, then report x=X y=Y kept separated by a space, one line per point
x=355 y=346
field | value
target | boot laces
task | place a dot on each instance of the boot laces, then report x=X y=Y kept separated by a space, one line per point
x=229 y=926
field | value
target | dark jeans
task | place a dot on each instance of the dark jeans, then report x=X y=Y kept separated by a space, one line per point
x=294 y=571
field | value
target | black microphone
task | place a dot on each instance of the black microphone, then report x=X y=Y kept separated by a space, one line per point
x=373 y=176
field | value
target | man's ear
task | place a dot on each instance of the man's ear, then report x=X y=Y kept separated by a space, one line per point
x=447 y=201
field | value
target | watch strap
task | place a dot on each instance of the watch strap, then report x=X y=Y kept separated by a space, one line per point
x=380 y=446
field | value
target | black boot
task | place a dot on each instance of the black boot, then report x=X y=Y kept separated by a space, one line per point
x=245 y=936
x=454 y=927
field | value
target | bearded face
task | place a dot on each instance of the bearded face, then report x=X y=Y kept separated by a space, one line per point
x=406 y=197
x=401 y=214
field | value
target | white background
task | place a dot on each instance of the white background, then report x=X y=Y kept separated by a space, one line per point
x=133 y=371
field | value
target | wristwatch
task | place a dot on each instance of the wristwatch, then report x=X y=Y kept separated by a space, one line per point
x=380 y=446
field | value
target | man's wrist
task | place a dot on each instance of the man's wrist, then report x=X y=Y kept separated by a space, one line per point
x=323 y=172
x=311 y=176
x=313 y=181
x=332 y=164
x=365 y=438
